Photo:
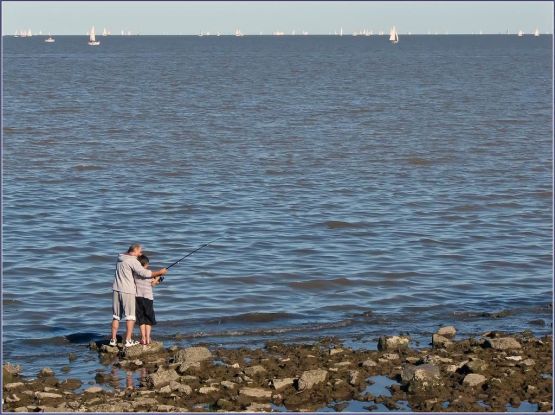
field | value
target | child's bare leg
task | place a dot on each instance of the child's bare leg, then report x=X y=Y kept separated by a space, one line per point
x=143 y=333
x=148 y=330
x=129 y=325
x=115 y=326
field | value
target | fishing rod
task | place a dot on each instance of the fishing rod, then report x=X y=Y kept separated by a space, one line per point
x=189 y=254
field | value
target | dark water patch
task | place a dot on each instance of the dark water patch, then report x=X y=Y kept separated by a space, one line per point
x=322 y=284
x=254 y=318
x=86 y=167
x=419 y=161
x=336 y=224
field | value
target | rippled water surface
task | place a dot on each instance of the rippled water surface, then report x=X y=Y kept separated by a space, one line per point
x=360 y=188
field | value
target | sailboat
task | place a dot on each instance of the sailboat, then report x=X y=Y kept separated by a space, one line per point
x=536 y=32
x=16 y=33
x=50 y=39
x=238 y=33
x=92 y=38
x=393 y=36
x=520 y=33
x=29 y=33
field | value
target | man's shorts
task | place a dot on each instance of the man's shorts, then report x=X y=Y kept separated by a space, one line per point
x=145 y=311
x=123 y=306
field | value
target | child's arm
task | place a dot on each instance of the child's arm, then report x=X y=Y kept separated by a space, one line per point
x=155 y=281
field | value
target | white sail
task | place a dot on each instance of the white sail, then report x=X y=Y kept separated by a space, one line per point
x=537 y=32
x=92 y=36
x=104 y=32
x=393 y=35
x=29 y=34
x=520 y=33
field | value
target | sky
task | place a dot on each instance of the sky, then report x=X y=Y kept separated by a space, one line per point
x=255 y=17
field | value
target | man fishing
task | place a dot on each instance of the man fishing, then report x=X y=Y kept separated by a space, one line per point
x=124 y=291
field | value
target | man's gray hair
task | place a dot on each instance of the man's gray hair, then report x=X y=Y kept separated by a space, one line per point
x=133 y=247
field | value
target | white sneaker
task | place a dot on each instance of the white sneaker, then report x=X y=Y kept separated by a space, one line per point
x=131 y=343
x=113 y=342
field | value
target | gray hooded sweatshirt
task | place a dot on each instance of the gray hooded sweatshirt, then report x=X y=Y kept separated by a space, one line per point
x=125 y=267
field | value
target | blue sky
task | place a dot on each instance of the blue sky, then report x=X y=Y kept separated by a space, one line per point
x=253 y=17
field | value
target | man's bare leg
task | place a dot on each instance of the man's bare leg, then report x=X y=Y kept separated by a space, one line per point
x=148 y=330
x=143 y=333
x=129 y=325
x=115 y=326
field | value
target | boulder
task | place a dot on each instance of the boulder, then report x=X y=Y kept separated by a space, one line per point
x=354 y=377
x=447 y=331
x=310 y=378
x=475 y=366
x=132 y=353
x=390 y=356
x=474 y=379
x=47 y=395
x=336 y=351
x=106 y=348
x=254 y=370
x=440 y=342
x=259 y=407
x=161 y=377
x=46 y=372
x=192 y=355
x=93 y=389
x=369 y=363
x=502 y=343
x=10 y=369
x=421 y=378
x=256 y=393
x=13 y=386
x=386 y=343
x=228 y=384
x=279 y=384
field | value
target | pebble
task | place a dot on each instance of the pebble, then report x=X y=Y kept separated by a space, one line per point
x=474 y=379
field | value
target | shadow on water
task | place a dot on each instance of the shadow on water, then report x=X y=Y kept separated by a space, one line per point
x=83 y=338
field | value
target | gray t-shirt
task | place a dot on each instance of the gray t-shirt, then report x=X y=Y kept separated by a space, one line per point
x=125 y=267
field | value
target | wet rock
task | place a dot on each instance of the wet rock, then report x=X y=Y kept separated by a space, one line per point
x=502 y=343
x=10 y=369
x=93 y=389
x=71 y=357
x=538 y=322
x=228 y=385
x=474 y=379
x=440 y=342
x=447 y=331
x=545 y=406
x=310 y=378
x=12 y=398
x=131 y=353
x=161 y=377
x=188 y=366
x=192 y=355
x=528 y=362
x=224 y=404
x=390 y=356
x=48 y=395
x=254 y=370
x=354 y=377
x=13 y=386
x=475 y=366
x=336 y=351
x=66 y=369
x=205 y=390
x=422 y=378
x=165 y=408
x=279 y=384
x=176 y=387
x=259 y=407
x=369 y=363
x=71 y=384
x=106 y=348
x=46 y=372
x=386 y=343
x=256 y=393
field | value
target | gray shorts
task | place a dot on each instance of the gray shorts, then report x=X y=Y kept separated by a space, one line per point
x=123 y=306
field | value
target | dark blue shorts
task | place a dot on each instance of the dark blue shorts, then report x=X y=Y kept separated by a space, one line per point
x=145 y=311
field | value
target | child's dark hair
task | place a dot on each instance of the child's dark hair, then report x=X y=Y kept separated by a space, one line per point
x=143 y=259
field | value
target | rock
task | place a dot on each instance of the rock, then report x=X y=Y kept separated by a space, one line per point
x=161 y=377
x=66 y=369
x=440 y=342
x=184 y=367
x=132 y=353
x=279 y=384
x=48 y=395
x=13 y=386
x=336 y=351
x=224 y=404
x=235 y=365
x=256 y=393
x=390 y=356
x=137 y=362
x=502 y=343
x=21 y=409
x=12 y=398
x=10 y=369
x=528 y=362
x=165 y=408
x=70 y=384
x=106 y=348
x=178 y=387
x=93 y=389
x=545 y=406
x=71 y=357
x=369 y=363
x=474 y=379
x=342 y=364
x=354 y=377
x=192 y=355
x=227 y=384
x=386 y=343
x=259 y=407
x=451 y=368
x=254 y=370
x=46 y=372
x=421 y=379
x=205 y=390
x=475 y=366
x=447 y=331
x=310 y=378
x=514 y=358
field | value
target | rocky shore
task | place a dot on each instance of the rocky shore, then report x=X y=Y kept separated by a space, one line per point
x=491 y=372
